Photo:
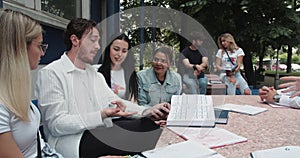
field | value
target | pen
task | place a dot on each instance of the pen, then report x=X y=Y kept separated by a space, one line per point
x=183 y=137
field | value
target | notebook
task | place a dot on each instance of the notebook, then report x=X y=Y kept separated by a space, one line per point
x=191 y=110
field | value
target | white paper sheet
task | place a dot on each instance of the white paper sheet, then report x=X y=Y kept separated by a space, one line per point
x=244 y=109
x=209 y=137
x=189 y=149
x=280 y=152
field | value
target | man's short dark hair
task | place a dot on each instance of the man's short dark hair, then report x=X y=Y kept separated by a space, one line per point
x=196 y=36
x=77 y=27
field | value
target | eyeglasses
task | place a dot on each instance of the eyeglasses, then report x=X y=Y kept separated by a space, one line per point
x=44 y=47
x=163 y=61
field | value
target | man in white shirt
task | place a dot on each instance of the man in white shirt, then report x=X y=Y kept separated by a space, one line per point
x=74 y=98
x=285 y=97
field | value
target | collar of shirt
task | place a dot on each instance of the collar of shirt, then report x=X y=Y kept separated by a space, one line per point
x=153 y=78
x=69 y=66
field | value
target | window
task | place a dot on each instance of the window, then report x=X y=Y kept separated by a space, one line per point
x=68 y=9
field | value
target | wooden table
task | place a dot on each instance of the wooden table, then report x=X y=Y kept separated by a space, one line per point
x=274 y=128
x=215 y=89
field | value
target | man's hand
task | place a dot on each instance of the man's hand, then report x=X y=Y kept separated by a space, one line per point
x=291 y=86
x=119 y=110
x=267 y=93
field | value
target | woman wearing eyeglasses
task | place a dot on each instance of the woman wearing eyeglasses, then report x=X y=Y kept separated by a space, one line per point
x=158 y=84
x=20 y=51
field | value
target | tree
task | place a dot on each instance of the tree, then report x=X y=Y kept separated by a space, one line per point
x=256 y=25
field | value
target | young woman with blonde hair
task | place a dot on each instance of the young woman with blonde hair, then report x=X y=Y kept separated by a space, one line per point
x=229 y=60
x=20 y=51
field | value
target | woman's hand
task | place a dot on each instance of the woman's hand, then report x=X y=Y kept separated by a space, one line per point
x=158 y=112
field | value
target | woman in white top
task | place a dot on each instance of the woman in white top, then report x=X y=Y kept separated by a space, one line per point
x=231 y=78
x=118 y=67
x=21 y=47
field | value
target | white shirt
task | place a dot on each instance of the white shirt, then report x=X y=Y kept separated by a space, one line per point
x=24 y=133
x=225 y=61
x=285 y=99
x=64 y=120
x=118 y=84
x=233 y=55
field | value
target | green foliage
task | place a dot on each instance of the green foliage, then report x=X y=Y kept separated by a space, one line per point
x=283 y=58
x=62 y=8
x=281 y=73
x=259 y=27
x=296 y=59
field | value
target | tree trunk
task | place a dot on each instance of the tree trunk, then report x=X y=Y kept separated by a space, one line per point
x=289 y=60
x=248 y=66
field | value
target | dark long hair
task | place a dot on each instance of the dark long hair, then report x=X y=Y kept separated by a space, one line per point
x=128 y=66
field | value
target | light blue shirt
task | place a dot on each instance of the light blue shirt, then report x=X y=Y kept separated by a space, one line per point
x=152 y=92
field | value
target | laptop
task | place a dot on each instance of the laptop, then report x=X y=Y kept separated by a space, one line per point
x=191 y=110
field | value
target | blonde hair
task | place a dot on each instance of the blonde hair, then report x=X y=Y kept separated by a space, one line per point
x=17 y=31
x=229 y=38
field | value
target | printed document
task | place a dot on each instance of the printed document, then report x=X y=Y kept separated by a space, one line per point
x=280 y=152
x=244 y=109
x=189 y=149
x=209 y=137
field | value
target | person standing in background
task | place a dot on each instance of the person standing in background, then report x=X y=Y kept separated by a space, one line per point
x=229 y=59
x=194 y=58
x=118 y=67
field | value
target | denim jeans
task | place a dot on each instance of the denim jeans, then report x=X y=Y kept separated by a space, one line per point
x=231 y=88
x=193 y=83
x=202 y=82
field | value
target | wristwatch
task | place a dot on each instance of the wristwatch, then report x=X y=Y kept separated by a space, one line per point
x=276 y=98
